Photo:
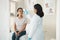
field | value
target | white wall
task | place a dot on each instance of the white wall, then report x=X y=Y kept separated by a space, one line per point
x=49 y=23
x=58 y=21
x=20 y=3
x=40 y=2
x=4 y=19
x=13 y=7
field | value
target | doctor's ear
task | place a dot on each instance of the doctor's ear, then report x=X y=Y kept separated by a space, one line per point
x=35 y=10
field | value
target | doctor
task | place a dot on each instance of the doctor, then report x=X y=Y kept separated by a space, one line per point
x=34 y=29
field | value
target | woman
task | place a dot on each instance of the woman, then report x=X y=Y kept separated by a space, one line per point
x=34 y=29
x=19 y=25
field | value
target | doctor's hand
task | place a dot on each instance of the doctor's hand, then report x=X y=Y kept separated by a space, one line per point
x=29 y=38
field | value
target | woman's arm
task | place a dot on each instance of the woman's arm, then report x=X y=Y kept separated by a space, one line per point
x=14 y=27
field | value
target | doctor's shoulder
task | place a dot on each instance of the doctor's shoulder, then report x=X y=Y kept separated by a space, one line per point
x=37 y=18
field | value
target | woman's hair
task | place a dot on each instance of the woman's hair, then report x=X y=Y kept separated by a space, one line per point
x=38 y=7
x=19 y=8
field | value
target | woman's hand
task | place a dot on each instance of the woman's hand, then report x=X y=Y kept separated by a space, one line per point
x=17 y=33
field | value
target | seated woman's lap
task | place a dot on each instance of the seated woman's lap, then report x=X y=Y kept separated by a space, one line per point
x=17 y=37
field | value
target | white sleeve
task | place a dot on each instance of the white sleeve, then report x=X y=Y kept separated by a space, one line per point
x=33 y=25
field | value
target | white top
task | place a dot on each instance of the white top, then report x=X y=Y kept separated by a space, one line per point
x=20 y=22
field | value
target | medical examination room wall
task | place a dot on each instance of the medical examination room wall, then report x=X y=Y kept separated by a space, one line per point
x=58 y=21
x=4 y=19
x=49 y=24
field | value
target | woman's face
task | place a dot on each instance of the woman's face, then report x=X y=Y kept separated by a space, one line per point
x=20 y=12
x=35 y=10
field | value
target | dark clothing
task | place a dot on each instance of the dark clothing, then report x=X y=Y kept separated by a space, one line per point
x=14 y=37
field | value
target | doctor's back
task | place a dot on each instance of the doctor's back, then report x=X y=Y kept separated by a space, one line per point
x=35 y=28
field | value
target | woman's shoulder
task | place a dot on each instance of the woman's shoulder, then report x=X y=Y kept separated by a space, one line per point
x=16 y=18
x=24 y=17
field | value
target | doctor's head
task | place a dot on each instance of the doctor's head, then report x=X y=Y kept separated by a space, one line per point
x=20 y=11
x=38 y=10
